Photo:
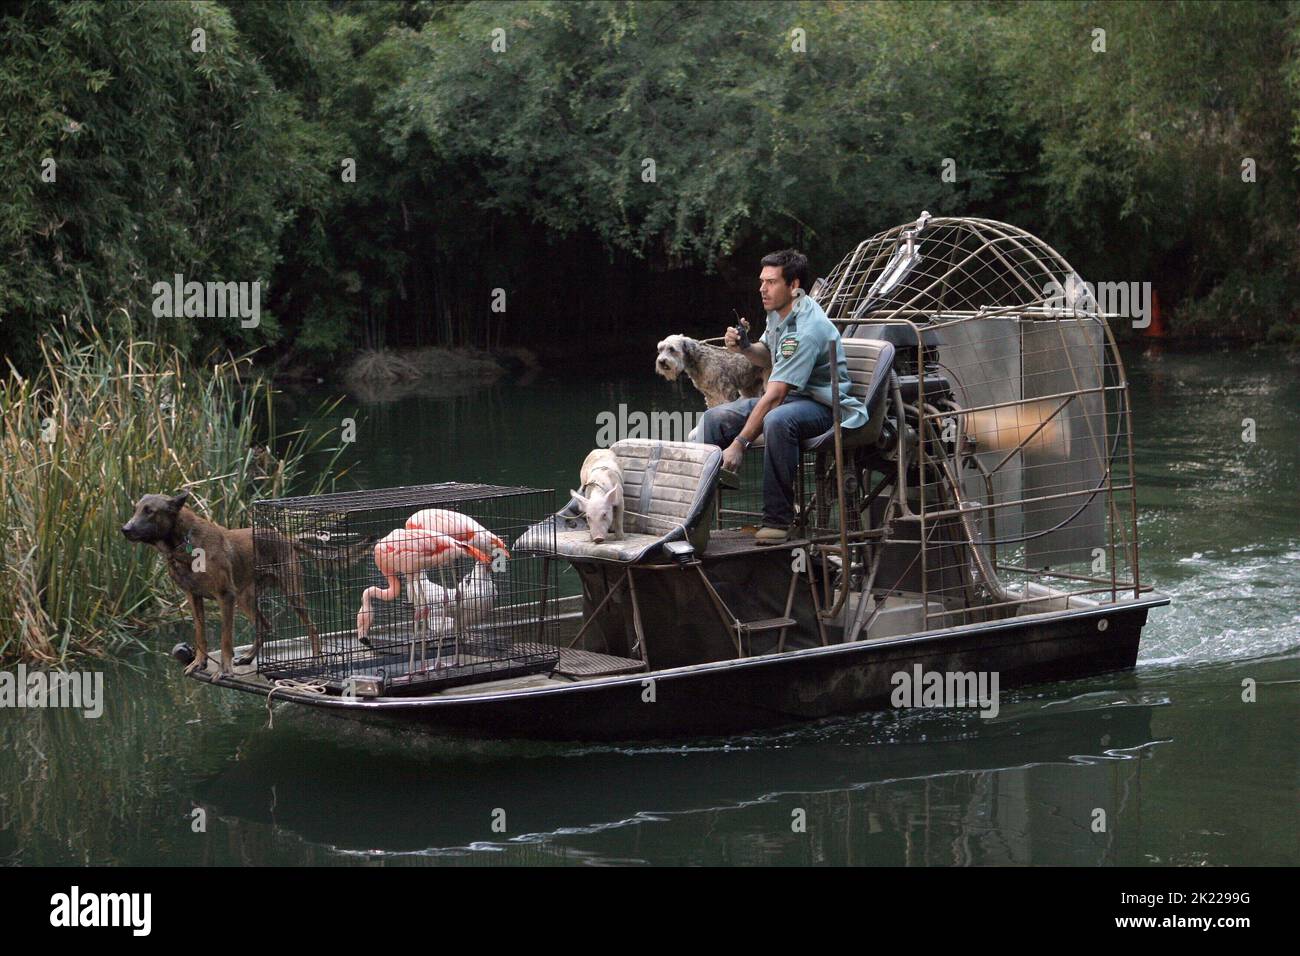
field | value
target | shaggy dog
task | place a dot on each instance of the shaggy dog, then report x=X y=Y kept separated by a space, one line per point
x=719 y=375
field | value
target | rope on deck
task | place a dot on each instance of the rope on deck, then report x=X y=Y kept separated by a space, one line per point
x=290 y=684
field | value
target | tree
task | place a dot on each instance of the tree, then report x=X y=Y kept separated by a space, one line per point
x=166 y=159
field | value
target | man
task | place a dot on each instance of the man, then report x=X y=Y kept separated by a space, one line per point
x=796 y=404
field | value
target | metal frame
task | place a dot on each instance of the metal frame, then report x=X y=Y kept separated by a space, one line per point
x=483 y=617
x=975 y=270
x=739 y=629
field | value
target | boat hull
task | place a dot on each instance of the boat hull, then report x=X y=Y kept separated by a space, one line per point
x=775 y=690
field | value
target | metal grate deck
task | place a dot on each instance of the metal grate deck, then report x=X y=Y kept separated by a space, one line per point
x=579 y=664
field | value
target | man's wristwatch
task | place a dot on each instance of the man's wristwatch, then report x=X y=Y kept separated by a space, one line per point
x=744 y=442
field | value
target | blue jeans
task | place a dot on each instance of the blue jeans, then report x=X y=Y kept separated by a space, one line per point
x=785 y=426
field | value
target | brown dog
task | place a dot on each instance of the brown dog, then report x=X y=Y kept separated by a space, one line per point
x=229 y=570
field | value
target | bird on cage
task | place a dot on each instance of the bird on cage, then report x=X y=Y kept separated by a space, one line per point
x=405 y=552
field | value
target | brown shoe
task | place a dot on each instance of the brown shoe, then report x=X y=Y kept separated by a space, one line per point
x=768 y=536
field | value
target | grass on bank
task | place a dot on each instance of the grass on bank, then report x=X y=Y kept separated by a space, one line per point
x=99 y=424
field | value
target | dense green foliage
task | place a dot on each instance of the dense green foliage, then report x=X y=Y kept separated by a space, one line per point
x=516 y=159
x=166 y=161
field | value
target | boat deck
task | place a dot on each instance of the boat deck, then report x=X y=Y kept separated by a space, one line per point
x=573 y=665
x=722 y=696
x=737 y=542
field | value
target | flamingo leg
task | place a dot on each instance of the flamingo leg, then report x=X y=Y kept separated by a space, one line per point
x=442 y=576
x=410 y=597
x=419 y=620
x=415 y=623
x=424 y=633
x=460 y=623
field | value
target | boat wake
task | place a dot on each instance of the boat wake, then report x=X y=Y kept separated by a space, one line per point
x=1240 y=603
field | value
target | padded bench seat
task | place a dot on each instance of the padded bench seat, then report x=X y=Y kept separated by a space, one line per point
x=578 y=544
x=668 y=495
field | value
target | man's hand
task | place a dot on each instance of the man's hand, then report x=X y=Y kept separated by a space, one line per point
x=732 y=456
x=732 y=339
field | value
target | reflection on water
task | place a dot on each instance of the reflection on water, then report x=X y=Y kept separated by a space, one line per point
x=1184 y=772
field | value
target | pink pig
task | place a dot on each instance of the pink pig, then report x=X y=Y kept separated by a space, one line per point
x=601 y=498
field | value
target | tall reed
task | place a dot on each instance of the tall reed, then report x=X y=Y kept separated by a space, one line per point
x=107 y=418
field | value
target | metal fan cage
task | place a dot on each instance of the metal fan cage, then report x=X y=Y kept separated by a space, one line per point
x=1004 y=483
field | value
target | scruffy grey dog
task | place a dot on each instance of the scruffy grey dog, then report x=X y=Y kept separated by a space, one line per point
x=719 y=375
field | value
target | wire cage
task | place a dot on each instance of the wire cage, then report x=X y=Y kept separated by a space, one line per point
x=410 y=588
x=1003 y=480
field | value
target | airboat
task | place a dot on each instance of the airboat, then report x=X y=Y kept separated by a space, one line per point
x=983 y=521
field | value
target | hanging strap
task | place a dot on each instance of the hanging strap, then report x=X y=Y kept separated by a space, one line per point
x=648 y=479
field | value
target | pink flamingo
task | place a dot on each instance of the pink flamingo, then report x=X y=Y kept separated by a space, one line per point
x=456 y=525
x=409 y=551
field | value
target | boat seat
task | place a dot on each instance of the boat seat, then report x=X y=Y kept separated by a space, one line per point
x=668 y=495
x=869 y=362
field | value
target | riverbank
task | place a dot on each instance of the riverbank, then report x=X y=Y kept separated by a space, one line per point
x=101 y=422
x=387 y=374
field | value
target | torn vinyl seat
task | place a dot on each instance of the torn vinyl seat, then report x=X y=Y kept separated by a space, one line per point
x=668 y=495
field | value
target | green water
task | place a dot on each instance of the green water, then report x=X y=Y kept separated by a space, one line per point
x=1185 y=771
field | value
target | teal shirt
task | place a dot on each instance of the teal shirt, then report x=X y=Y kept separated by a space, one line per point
x=798 y=345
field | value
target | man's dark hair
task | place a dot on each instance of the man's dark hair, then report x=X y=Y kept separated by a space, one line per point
x=794 y=265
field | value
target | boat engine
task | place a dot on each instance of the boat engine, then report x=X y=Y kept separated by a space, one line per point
x=915 y=364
